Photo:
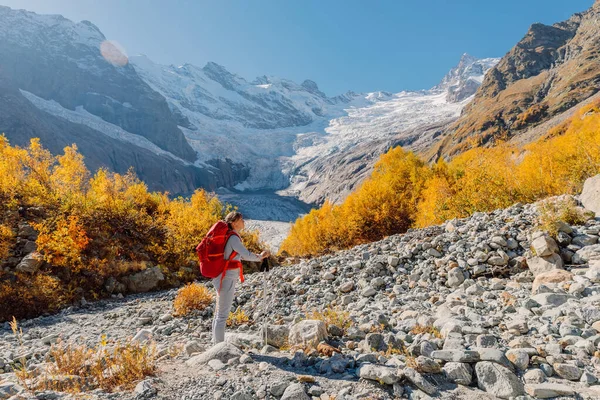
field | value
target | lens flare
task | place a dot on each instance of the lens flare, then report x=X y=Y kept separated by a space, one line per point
x=114 y=53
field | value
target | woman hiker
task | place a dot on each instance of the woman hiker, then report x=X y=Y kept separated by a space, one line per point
x=225 y=285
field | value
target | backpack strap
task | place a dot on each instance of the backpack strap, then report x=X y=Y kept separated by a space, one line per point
x=234 y=253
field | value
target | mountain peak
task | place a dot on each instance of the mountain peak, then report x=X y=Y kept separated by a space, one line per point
x=220 y=74
x=463 y=80
x=312 y=87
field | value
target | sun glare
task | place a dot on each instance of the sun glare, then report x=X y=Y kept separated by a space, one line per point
x=114 y=53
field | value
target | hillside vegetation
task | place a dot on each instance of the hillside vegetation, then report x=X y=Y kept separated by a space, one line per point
x=89 y=231
x=404 y=192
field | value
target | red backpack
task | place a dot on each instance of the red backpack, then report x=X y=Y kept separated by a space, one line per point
x=211 y=249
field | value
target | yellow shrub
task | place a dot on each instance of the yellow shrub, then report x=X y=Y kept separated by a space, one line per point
x=7 y=237
x=551 y=212
x=237 y=318
x=430 y=329
x=192 y=296
x=384 y=204
x=62 y=241
x=30 y=295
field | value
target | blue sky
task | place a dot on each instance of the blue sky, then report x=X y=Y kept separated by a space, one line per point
x=343 y=45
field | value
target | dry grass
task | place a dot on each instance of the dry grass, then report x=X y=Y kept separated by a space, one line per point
x=114 y=366
x=430 y=329
x=332 y=316
x=78 y=368
x=193 y=296
x=237 y=318
x=553 y=211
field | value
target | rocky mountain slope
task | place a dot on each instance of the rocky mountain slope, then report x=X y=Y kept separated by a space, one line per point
x=481 y=308
x=552 y=69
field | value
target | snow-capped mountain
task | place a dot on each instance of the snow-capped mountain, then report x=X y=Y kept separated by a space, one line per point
x=279 y=128
x=182 y=127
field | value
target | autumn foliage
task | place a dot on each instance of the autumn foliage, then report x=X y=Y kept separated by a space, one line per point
x=404 y=192
x=90 y=228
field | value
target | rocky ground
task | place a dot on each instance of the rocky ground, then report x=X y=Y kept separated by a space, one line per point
x=481 y=308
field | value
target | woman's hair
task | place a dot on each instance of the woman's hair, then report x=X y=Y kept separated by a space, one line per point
x=232 y=217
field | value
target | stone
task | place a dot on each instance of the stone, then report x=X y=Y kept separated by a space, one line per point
x=379 y=373
x=216 y=365
x=368 y=292
x=143 y=336
x=143 y=281
x=144 y=388
x=347 y=287
x=519 y=358
x=374 y=342
x=538 y=265
x=554 y=276
x=543 y=245
x=419 y=381
x=460 y=356
x=548 y=390
x=567 y=371
x=50 y=339
x=9 y=389
x=593 y=274
x=277 y=335
x=328 y=276
x=222 y=351
x=427 y=365
x=31 y=263
x=309 y=332
x=587 y=254
x=277 y=389
x=551 y=299
x=498 y=380
x=487 y=341
x=590 y=195
x=460 y=373
x=192 y=347
x=534 y=376
x=295 y=391
x=455 y=277
x=584 y=240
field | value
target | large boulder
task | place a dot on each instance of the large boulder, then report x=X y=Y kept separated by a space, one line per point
x=222 y=351
x=543 y=245
x=587 y=254
x=31 y=263
x=295 y=391
x=277 y=335
x=538 y=265
x=309 y=332
x=497 y=380
x=553 y=276
x=379 y=373
x=143 y=281
x=590 y=196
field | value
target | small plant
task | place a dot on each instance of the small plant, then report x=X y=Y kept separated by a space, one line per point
x=192 y=296
x=553 y=211
x=332 y=316
x=430 y=329
x=108 y=366
x=237 y=318
x=21 y=372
